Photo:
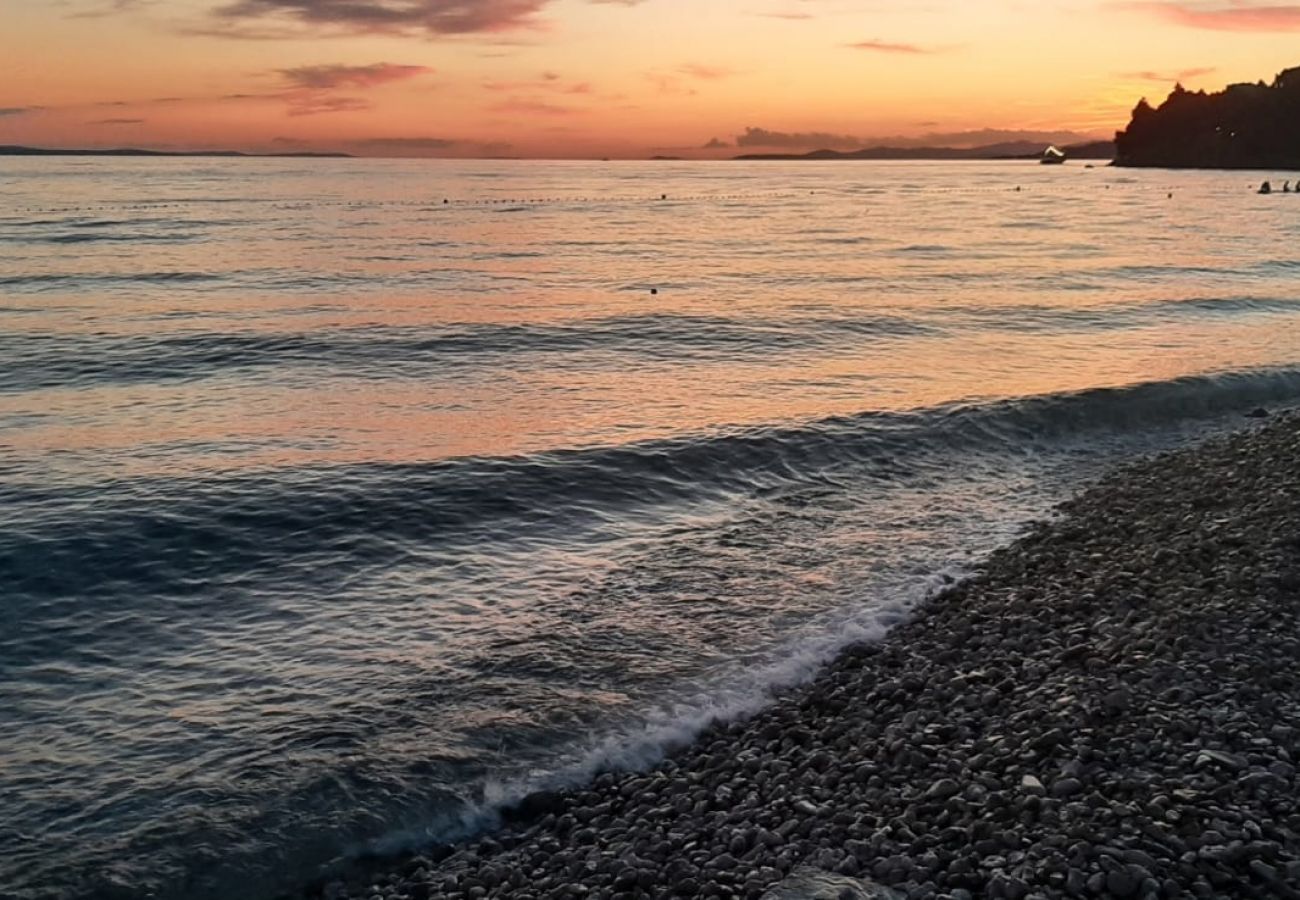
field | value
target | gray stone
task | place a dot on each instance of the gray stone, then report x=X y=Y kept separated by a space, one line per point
x=1066 y=787
x=1229 y=761
x=942 y=790
x=808 y=883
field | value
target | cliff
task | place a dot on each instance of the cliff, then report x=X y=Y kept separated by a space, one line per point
x=1244 y=126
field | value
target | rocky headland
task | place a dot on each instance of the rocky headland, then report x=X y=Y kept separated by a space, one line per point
x=1110 y=707
x=1244 y=126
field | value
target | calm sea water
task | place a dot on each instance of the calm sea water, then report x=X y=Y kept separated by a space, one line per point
x=333 y=514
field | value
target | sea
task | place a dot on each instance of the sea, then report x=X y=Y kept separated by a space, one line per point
x=343 y=502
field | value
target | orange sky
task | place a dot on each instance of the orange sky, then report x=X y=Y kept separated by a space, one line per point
x=618 y=78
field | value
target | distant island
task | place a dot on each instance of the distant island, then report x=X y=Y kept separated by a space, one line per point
x=1244 y=126
x=1009 y=150
x=12 y=150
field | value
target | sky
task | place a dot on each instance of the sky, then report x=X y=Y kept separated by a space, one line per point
x=609 y=78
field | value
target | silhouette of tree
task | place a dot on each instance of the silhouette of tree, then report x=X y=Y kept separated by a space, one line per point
x=1244 y=126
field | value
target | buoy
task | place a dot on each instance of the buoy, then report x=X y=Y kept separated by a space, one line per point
x=654 y=290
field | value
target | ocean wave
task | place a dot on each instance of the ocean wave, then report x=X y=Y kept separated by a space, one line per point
x=51 y=279
x=1055 y=320
x=170 y=237
x=38 y=361
x=182 y=536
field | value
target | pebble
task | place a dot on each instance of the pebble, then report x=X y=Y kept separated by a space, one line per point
x=1109 y=707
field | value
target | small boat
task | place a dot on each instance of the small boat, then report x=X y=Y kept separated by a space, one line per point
x=1052 y=157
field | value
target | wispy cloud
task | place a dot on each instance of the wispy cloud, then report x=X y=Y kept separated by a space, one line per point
x=715 y=144
x=1168 y=77
x=314 y=104
x=820 y=140
x=681 y=80
x=421 y=145
x=1233 y=16
x=705 y=72
x=329 y=77
x=408 y=143
x=311 y=87
x=428 y=17
x=532 y=107
x=106 y=8
x=547 y=82
x=7 y=111
x=117 y=122
x=762 y=137
x=893 y=47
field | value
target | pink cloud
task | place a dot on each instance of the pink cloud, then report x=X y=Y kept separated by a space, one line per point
x=703 y=72
x=1220 y=17
x=314 y=104
x=891 y=47
x=1169 y=77
x=549 y=82
x=328 y=77
x=532 y=107
x=432 y=17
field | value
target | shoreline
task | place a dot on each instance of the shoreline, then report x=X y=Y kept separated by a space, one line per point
x=1106 y=708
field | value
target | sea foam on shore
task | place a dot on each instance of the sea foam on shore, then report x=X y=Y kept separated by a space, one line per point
x=1109 y=708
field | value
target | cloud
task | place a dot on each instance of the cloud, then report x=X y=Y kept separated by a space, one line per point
x=427 y=17
x=429 y=146
x=110 y=8
x=793 y=16
x=408 y=143
x=677 y=81
x=117 y=122
x=983 y=137
x=890 y=47
x=549 y=82
x=761 y=137
x=715 y=144
x=533 y=107
x=6 y=111
x=703 y=72
x=1168 y=77
x=314 y=104
x=1234 y=16
x=328 y=77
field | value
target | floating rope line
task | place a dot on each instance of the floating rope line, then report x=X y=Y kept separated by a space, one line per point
x=432 y=204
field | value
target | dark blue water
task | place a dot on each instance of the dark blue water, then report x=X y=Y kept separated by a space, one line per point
x=333 y=515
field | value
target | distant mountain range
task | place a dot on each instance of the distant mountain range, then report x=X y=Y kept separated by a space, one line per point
x=12 y=150
x=1009 y=150
x=1244 y=126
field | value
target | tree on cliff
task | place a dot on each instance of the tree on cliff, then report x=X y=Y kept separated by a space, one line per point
x=1244 y=126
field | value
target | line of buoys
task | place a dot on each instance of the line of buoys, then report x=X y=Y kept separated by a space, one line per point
x=431 y=204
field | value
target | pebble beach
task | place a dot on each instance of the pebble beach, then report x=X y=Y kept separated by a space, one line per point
x=335 y=519
x=1109 y=707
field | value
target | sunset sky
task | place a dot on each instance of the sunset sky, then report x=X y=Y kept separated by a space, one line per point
x=618 y=78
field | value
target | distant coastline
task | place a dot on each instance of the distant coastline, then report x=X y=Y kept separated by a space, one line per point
x=15 y=150
x=1011 y=150
x=1095 y=150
